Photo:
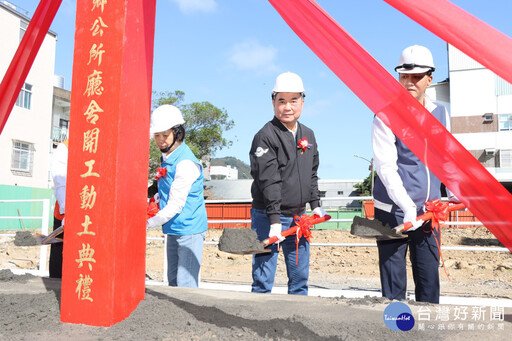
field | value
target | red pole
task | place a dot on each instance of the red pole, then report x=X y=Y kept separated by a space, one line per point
x=103 y=274
x=24 y=57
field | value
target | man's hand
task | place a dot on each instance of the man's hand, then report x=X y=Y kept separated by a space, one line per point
x=153 y=222
x=275 y=230
x=319 y=212
x=410 y=216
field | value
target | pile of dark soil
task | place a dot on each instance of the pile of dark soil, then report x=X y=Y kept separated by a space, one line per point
x=25 y=238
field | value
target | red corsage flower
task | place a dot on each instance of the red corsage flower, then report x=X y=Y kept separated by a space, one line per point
x=160 y=173
x=303 y=145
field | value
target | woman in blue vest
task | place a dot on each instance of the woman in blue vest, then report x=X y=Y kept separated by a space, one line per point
x=182 y=212
x=404 y=184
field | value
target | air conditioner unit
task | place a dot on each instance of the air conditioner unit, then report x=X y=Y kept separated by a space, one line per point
x=490 y=151
x=488 y=117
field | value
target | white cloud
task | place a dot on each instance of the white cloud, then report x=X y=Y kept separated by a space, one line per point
x=250 y=55
x=190 y=6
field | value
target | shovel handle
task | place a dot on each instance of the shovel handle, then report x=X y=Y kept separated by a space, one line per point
x=293 y=230
x=52 y=235
x=286 y=233
x=427 y=216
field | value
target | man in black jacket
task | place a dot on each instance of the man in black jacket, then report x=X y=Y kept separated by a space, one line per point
x=284 y=163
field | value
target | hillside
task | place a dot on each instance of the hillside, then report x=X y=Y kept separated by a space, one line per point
x=244 y=170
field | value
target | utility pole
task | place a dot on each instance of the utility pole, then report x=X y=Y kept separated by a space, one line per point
x=371 y=170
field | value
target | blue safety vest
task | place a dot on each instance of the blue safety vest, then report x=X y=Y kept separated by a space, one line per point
x=419 y=182
x=192 y=219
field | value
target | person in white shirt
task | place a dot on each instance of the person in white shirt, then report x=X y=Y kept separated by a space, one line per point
x=59 y=175
x=182 y=212
x=402 y=187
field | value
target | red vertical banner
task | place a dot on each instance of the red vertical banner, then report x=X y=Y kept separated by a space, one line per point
x=104 y=249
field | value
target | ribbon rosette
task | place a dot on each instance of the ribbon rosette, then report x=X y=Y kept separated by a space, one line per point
x=160 y=173
x=304 y=223
x=439 y=212
x=303 y=145
x=152 y=208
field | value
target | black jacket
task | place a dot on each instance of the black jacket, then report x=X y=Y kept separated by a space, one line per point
x=284 y=178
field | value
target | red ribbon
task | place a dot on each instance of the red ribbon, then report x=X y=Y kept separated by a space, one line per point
x=152 y=209
x=440 y=214
x=402 y=113
x=160 y=173
x=304 y=224
x=24 y=57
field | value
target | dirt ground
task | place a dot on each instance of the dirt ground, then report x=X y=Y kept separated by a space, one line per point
x=30 y=305
x=471 y=273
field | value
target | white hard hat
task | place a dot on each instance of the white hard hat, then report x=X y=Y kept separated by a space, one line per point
x=164 y=118
x=415 y=59
x=288 y=82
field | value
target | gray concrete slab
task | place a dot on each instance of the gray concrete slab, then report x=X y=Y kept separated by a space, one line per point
x=30 y=309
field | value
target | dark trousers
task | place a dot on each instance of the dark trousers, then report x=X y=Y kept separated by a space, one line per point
x=424 y=256
x=56 y=253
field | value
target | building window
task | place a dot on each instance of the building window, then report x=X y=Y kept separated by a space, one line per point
x=321 y=194
x=505 y=158
x=63 y=124
x=22 y=156
x=505 y=122
x=340 y=192
x=23 y=28
x=25 y=97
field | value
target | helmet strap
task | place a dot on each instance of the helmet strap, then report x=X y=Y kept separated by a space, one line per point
x=169 y=148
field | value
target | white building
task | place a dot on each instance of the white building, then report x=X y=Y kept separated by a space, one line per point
x=25 y=142
x=223 y=172
x=481 y=111
x=331 y=190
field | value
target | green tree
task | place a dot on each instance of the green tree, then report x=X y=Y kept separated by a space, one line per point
x=204 y=126
x=365 y=188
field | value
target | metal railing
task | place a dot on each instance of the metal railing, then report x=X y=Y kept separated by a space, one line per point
x=59 y=134
x=46 y=210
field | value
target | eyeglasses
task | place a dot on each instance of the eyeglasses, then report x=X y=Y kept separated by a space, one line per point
x=412 y=66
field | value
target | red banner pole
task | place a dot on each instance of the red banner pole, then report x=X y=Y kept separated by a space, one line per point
x=462 y=30
x=103 y=277
x=24 y=57
x=409 y=121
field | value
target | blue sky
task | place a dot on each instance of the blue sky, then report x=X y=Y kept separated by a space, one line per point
x=228 y=52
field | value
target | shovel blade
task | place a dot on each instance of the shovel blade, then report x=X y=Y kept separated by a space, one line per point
x=368 y=228
x=240 y=242
x=247 y=252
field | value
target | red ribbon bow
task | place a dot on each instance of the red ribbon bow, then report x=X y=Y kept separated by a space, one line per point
x=439 y=212
x=304 y=224
x=152 y=209
x=160 y=173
